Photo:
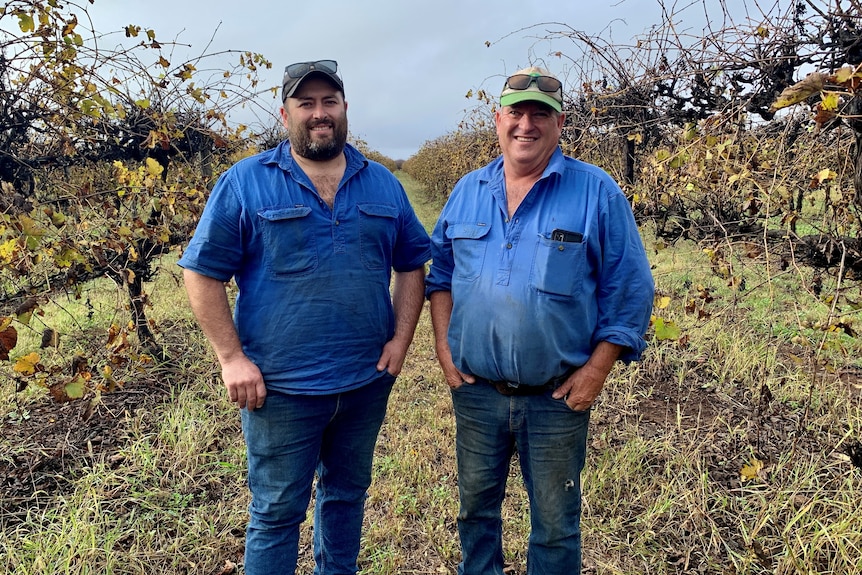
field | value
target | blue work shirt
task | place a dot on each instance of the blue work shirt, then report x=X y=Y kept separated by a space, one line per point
x=529 y=304
x=314 y=308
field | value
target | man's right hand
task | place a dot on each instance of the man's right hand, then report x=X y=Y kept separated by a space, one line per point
x=454 y=377
x=244 y=383
x=441 y=313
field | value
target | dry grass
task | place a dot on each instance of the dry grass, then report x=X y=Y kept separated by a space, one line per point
x=153 y=480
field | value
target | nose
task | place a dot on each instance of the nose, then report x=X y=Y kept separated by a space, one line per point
x=319 y=110
x=526 y=122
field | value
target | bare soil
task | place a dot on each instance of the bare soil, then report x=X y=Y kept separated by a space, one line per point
x=54 y=442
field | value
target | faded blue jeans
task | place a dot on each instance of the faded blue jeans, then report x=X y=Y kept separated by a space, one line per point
x=289 y=439
x=551 y=442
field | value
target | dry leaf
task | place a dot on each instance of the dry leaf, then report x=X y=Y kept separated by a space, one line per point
x=752 y=470
x=811 y=84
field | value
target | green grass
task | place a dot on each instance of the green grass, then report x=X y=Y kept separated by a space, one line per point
x=751 y=379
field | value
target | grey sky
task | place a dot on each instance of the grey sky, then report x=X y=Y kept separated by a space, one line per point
x=406 y=66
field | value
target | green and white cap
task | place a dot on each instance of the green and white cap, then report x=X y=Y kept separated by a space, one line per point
x=532 y=92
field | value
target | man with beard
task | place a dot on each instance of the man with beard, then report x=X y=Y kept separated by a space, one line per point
x=311 y=231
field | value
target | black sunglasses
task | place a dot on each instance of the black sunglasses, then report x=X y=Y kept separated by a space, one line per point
x=544 y=83
x=300 y=69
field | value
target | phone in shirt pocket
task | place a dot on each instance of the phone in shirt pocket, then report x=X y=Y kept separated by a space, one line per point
x=559 y=235
x=559 y=263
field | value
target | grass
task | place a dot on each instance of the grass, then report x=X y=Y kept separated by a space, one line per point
x=750 y=383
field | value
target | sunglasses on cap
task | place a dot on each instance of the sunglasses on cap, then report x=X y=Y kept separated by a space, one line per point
x=300 y=69
x=544 y=83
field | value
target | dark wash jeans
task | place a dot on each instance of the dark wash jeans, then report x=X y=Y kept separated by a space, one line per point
x=551 y=442
x=289 y=439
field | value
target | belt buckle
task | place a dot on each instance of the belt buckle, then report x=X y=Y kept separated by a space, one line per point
x=504 y=388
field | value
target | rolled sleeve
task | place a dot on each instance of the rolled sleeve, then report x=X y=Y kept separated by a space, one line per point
x=626 y=289
x=442 y=262
x=215 y=249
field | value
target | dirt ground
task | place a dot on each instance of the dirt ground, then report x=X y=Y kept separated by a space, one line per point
x=56 y=440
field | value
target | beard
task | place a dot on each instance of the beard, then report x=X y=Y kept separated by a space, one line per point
x=303 y=144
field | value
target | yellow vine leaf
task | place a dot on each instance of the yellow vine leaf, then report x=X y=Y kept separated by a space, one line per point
x=154 y=168
x=829 y=101
x=663 y=302
x=826 y=174
x=27 y=364
x=844 y=74
x=8 y=250
x=751 y=471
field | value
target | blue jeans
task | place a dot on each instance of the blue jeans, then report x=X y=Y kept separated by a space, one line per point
x=551 y=442
x=287 y=440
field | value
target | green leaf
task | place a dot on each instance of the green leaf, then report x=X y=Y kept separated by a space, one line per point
x=666 y=330
x=679 y=160
x=25 y=22
x=75 y=389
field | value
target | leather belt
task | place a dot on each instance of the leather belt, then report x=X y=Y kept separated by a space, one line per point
x=506 y=388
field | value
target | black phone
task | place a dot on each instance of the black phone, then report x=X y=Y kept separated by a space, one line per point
x=559 y=235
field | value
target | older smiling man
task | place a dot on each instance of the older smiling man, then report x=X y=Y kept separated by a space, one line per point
x=539 y=282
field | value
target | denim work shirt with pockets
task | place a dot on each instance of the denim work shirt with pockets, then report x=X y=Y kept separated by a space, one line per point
x=534 y=294
x=314 y=308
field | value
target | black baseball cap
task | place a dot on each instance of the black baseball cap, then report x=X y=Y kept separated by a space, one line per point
x=294 y=74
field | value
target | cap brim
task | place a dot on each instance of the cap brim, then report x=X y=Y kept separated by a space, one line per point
x=530 y=96
x=288 y=91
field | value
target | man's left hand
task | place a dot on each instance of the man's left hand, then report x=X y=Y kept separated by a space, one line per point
x=581 y=388
x=392 y=357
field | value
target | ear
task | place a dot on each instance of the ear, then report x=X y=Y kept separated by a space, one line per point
x=284 y=118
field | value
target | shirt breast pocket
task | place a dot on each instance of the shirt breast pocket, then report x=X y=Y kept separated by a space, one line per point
x=289 y=241
x=558 y=267
x=377 y=232
x=468 y=248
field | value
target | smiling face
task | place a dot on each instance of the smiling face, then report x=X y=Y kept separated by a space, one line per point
x=316 y=120
x=528 y=133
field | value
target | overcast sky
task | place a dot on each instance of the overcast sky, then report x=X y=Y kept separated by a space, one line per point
x=406 y=66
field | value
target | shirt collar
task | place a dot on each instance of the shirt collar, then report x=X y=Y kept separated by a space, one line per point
x=280 y=155
x=493 y=172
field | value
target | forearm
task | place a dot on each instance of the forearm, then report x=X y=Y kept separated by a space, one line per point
x=407 y=300
x=602 y=359
x=209 y=303
x=441 y=314
x=242 y=378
